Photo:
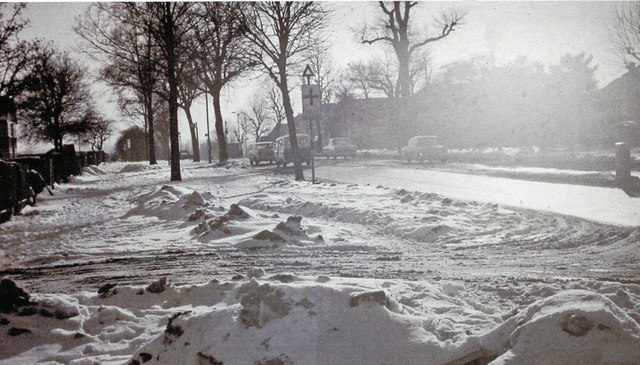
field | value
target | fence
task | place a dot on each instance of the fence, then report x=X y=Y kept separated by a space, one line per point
x=24 y=177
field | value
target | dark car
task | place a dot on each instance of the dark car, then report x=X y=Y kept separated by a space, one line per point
x=339 y=147
x=261 y=151
x=284 y=154
x=421 y=148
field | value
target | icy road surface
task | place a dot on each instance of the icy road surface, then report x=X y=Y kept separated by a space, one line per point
x=599 y=204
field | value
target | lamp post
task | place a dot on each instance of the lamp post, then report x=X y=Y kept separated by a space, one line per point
x=206 y=108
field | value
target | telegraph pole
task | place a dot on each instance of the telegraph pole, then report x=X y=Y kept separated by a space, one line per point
x=206 y=108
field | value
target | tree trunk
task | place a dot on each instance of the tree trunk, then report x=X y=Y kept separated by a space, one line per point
x=194 y=136
x=173 y=105
x=57 y=137
x=151 y=133
x=404 y=77
x=286 y=100
x=223 y=155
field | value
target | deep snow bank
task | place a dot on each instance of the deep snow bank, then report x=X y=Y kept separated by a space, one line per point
x=290 y=319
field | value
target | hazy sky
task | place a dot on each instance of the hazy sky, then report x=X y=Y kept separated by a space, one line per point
x=541 y=31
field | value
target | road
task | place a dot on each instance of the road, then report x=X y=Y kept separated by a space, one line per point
x=605 y=205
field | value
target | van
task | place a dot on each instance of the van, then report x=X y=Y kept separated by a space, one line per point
x=284 y=154
x=261 y=151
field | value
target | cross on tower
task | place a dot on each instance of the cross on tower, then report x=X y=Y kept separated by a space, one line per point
x=310 y=96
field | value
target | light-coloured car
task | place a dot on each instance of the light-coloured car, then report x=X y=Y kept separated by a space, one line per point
x=261 y=151
x=284 y=153
x=339 y=147
x=424 y=148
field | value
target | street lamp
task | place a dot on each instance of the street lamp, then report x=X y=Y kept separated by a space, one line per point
x=206 y=108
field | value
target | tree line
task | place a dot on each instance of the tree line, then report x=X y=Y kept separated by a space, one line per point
x=173 y=52
x=47 y=87
x=161 y=56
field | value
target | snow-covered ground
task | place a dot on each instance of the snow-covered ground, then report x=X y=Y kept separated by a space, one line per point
x=245 y=266
x=608 y=205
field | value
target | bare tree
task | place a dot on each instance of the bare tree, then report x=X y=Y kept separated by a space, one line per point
x=374 y=76
x=125 y=46
x=626 y=32
x=276 y=106
x=99 y=133
x=240 y=130
x=189 y=89
x=170 y=24
x=282 y=33
x=221 y=57
x=395 y=30
x=15 y=54
x=56 y=101
x=420 y=70
x=259 y=117
x=325 y=73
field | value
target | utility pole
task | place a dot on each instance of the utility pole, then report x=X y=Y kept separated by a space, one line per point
x=206 y=108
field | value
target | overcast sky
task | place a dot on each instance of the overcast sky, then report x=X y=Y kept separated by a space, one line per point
x=541 y=31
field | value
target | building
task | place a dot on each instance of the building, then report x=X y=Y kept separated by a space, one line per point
x=8 y=140
x=620 y=108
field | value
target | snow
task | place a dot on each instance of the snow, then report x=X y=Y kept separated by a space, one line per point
x=315 y=320
x=608 y=205
x=243 y=266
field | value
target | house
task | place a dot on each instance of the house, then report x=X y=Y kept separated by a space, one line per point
x=8 y=140
x=619 y=103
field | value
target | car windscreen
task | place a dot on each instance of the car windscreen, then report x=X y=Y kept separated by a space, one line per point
x=303 y=141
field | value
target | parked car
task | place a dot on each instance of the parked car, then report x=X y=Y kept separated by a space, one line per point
x=339 y=147
x=423 y=148
x=261 y=151
x=284 y=154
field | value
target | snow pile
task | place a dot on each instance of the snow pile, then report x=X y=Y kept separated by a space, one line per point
x=171 y=202
x=138 y=167
x=93 y=170
x=571 y=327
x=294 y=320
x=291 y=319
x=222 y=226
x=285 y=233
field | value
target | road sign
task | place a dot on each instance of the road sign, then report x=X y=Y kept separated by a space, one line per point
x=308 y=74
x=311 y=95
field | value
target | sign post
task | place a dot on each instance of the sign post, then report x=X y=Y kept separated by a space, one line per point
x=311 y=110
